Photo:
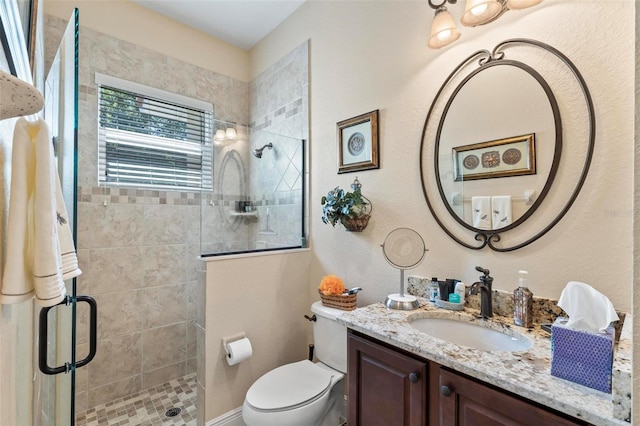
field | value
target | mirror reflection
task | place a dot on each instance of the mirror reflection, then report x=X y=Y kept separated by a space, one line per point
x=496 y=146
x=501 y=137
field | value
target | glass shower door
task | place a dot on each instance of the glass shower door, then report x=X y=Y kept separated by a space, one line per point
x=58 y=334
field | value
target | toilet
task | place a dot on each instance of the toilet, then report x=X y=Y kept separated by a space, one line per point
x=304 y=393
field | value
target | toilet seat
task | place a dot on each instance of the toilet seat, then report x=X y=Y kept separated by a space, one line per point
x=289 y=386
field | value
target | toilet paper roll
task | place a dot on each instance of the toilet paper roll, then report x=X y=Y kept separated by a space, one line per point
x=238 y=351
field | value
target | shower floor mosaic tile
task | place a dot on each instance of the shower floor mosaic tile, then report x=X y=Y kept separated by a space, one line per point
x=148 y=407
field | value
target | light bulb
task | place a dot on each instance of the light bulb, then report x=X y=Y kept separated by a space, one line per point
x=231 y=133
x=443 y=29
x=220 y=135
x=479 y=10
x=443 y=35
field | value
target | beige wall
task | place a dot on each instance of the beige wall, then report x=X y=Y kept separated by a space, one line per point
x=262 y=296
x=369 y=55
x=133 y=23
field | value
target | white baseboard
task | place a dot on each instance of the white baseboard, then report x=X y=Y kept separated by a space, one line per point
x=230 y=418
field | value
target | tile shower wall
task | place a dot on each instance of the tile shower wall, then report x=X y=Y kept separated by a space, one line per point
x=279 y=105
x=138 y=248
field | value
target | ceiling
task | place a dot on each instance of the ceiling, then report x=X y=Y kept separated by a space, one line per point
x=242 y=23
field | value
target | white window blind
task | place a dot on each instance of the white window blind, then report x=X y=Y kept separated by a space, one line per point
x=150 y=138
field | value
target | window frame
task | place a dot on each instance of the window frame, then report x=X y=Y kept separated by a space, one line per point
x=206 y=147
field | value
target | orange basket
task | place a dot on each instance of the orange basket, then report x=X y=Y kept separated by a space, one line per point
x=339 y=301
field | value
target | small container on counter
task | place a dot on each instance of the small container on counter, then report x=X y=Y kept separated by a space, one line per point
x=523 y=303
x=434 y=290
x=460 y=290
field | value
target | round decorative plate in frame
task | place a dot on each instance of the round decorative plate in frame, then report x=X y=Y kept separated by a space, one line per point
x=355 y=145
x=511 y=156
x=470 y=162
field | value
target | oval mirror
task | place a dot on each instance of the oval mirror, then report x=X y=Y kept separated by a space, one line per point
x=512 y=131
x=494 y=146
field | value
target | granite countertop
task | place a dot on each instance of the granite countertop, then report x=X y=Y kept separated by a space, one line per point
x=524 y=373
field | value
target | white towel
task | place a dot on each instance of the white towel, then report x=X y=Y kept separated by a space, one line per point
x=481 y=212
x=40 y=249
x=501 y=211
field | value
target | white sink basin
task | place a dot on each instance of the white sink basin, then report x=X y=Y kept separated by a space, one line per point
x=471 y=335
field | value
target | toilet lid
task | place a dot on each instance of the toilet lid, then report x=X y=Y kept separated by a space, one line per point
x=289 y=385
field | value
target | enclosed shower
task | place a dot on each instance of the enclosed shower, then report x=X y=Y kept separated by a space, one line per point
x=141 y=248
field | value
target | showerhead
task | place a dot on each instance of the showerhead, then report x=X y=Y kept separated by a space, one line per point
x=258 y=152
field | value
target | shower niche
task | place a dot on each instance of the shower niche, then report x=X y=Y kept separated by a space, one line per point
x=257 y=200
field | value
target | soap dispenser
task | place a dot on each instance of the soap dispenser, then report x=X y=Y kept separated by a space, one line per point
x=523 y=303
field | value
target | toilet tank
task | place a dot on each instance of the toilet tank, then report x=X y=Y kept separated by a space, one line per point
x=329 y=337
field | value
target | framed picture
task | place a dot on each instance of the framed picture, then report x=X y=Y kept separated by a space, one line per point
x=358 y=143
x=514 y=156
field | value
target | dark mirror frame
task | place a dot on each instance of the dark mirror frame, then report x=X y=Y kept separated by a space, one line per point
x=486 y=59
x=487 y=64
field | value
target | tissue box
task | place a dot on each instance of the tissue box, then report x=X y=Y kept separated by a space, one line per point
x=582 y=357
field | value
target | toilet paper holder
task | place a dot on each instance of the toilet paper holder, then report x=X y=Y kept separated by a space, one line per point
x=231 y=339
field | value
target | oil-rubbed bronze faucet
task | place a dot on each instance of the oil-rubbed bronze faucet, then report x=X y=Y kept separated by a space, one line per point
x=486 y=295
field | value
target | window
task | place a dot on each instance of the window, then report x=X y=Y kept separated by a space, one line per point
x=149 y=138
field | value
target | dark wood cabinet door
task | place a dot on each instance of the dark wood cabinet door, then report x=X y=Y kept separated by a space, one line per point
x=465 y=402
x=386 y=388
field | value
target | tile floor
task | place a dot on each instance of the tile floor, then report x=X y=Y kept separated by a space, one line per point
x=148 y=408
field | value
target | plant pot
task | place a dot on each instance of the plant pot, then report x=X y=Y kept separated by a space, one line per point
x=356 y=224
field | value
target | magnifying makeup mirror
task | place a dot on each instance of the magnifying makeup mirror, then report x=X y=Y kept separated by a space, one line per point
x=404 y=249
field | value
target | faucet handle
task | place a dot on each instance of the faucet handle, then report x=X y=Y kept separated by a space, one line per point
x=483 y=270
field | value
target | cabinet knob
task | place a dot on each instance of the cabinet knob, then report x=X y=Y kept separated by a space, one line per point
x=445 y=391
x=413 y=377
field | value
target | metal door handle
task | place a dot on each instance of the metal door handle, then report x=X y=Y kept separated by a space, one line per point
x=93 y=329
x=413 y=377
x=43 y=338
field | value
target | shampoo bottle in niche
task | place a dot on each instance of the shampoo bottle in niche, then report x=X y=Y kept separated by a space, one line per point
x=523 y=303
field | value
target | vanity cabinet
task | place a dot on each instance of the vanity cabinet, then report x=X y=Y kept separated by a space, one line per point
x=389 y=387
x=386 y=387
x=466 y=402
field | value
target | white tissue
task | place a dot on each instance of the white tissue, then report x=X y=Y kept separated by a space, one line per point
x=588 y=309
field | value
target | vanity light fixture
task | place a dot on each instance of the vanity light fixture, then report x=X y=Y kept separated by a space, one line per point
x=476 y=12
x=220 y=135
x=443 y=28
x=224 y=135
x=231 y=133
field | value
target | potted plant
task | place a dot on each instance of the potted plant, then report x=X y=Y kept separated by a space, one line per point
x=351 y=209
